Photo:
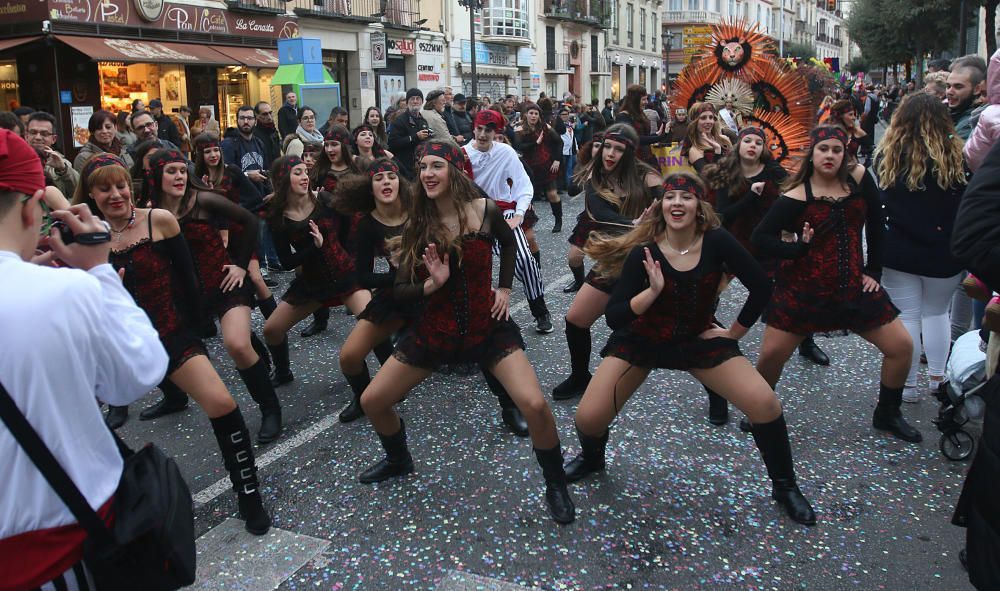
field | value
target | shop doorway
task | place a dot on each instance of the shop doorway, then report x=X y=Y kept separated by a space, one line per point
x=203 y=89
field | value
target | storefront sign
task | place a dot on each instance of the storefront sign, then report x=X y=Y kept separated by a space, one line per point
x=379 y=51
x=536 y=81
x=525 y=57
x=487 y=53
x=79 y=119
x=402 y=47
x=65 y=97
x=430 y=61
x=23 y=9
x=150 y=10
x=113 y=12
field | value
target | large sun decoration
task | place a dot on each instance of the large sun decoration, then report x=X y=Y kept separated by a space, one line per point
x=739 y=69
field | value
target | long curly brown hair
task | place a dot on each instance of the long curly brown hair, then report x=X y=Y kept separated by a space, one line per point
x=281 y=183
x=727 y=173
x=354 y=193
x=628 y=179
x=610 y=252
x=920 y=135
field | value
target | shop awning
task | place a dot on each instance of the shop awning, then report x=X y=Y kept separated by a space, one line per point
x=254 y=57
x=134 y=51
x=8 y=43
x=296 y=74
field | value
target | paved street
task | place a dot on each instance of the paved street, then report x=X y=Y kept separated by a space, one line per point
x=682 y=505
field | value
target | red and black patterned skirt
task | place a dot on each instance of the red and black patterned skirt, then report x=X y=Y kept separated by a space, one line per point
x=802 y=313
x=685 y=354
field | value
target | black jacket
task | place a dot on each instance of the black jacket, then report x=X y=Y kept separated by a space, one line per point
x=403 y=141
x=609 y=115
x=463 y=123
x=271 y=142
x=976 y=242
x=288 y=120
x=166 y=130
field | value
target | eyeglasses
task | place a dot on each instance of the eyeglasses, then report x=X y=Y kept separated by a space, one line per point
x=45 y=134
x=308 y=118
x=144 y=127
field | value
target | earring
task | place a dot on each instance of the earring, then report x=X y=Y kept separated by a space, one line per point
x=700 y=217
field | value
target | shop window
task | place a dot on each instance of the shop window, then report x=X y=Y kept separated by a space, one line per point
x=234 y=92
x=8 y=86
x=336 y=63
x=121 y=84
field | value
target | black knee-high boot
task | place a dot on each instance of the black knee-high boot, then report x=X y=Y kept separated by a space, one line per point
x=557 y=214
x=718 y=408
x=509 y=413
x=557 y=499
x=578 y=340
x=260 y=349
x=237 y=455
x=358 y=383
x=267 y=307
x=282 y=373
x=772 y=442
x=591 y=458
x=578 y=278
x=383 y=351
x=321 y=319
x=397 y=461
x=259 y=385
x=173 y=400
x=889 y=417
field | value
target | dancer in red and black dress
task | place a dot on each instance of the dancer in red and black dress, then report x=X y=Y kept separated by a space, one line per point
x=446 y=265
x=367 y=145
x=149 y=251
x=824 y=285
x=382 y=196
x=620 y=189
x=667 y=273
x=587 y=156
x=633 y=112
x=845 y=116
x=705 y=143
x=308 y=233
x=221 y=272
x=540 y=147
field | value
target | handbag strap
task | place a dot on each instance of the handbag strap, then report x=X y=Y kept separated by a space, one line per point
x=47 y=464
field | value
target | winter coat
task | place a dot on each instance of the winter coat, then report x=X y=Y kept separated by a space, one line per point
x=463 y=122
x=90 y=149
x=987 y=131
x=437 y=124
x=403 y=140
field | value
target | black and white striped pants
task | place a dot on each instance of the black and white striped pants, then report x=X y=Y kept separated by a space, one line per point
x=77 y=578
x=525 y=266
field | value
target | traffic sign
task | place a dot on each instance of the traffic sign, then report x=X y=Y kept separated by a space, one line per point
x=697 y=39
x=698 y=30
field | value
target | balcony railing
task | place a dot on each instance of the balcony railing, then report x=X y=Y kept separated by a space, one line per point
x=399 y=13
x=600 y=64
x=557 y=62
x=691 y=16
x=596 y=13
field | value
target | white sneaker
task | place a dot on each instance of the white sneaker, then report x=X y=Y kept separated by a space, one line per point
x=911 y=395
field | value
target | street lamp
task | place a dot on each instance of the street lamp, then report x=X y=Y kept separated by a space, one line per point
x=473 y=6
x=668 y=43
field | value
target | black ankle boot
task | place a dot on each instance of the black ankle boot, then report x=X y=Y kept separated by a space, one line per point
x=173 y=400
x=591 y=458
x=358 y=383
x=397 y=461
x=540 y=311
x=267 y=307
x=116 y=417
x=237 y=455
x=718 y=408
x=772 y=441
x=282 y=372
x=259 y=385
x=811 y=351
x=888 y=416
x=578 y=278
x=557 y=214
x=320 y=321
x=383 y=351
x=578 y=340
x=557 y=499
x=260 y=349
x=509 y=413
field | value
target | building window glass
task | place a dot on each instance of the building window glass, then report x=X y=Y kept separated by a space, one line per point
x=629 y=30
x=676 y=5
x=693 y=5
x=505 y=18
x=654 y=32
x=8 y=84
x=732 y=8
x=614 y=23
x=642 y=28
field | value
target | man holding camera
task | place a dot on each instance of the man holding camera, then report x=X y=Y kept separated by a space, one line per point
x=408 y=130
x=70 y=336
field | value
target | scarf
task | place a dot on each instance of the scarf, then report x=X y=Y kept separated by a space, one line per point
x=308 y=136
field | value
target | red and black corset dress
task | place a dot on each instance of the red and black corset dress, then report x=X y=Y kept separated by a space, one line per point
x=453 y=331
x=161 y=278
x=741 y=213
x=853 y=146
x=818 y=288
x=539 y=157
x=667 y=334
x=330 y=185
x=200 y=227
x=377 y=273
x=606 y=218
x=327 y=273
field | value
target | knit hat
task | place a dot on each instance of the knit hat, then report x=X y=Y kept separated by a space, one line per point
x=20 y=168
x=414 y=92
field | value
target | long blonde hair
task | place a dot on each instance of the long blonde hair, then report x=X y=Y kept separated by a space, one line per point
x=610 y=252
x=921 y=134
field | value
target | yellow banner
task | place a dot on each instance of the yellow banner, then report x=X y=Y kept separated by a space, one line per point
x=670 y=159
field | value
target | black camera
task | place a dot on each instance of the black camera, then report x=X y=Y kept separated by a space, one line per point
x=68 y=237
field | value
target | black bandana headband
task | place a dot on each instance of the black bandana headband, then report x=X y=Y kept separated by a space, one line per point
x=615 y=136
x=752 y=130
x=337 y=134
x=100 y=161
x=678 y=182
x=290 y=163
x=159 y=160
x=382 y=165
x=702 y=108
x=827 y=132
x=450 y=152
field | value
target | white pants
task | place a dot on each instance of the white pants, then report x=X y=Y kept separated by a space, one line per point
x=923 y=307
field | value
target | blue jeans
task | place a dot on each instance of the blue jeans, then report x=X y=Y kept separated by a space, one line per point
x=266 y=253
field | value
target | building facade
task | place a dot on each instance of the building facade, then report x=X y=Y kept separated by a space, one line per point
x=633 y=46
x=570 y=45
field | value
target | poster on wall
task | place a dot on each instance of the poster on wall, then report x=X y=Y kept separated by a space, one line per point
x=79 y=118
x=389 y=88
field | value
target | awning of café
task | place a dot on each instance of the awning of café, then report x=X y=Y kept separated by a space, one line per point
x=146 y=51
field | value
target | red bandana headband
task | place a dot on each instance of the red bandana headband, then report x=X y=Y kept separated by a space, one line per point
x=678 y=182
x=616 y=136
x=842 y=110
x=828 y=132
x=382 y=165
x=100 y=161
x=703 y=108
x=159 y=160
x=752 y=130
x=599 y=137
x=337 y=134
x=290 y=163
x=449 y=152
x=488 y=117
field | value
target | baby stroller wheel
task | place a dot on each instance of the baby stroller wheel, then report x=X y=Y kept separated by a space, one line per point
x=957 y=446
